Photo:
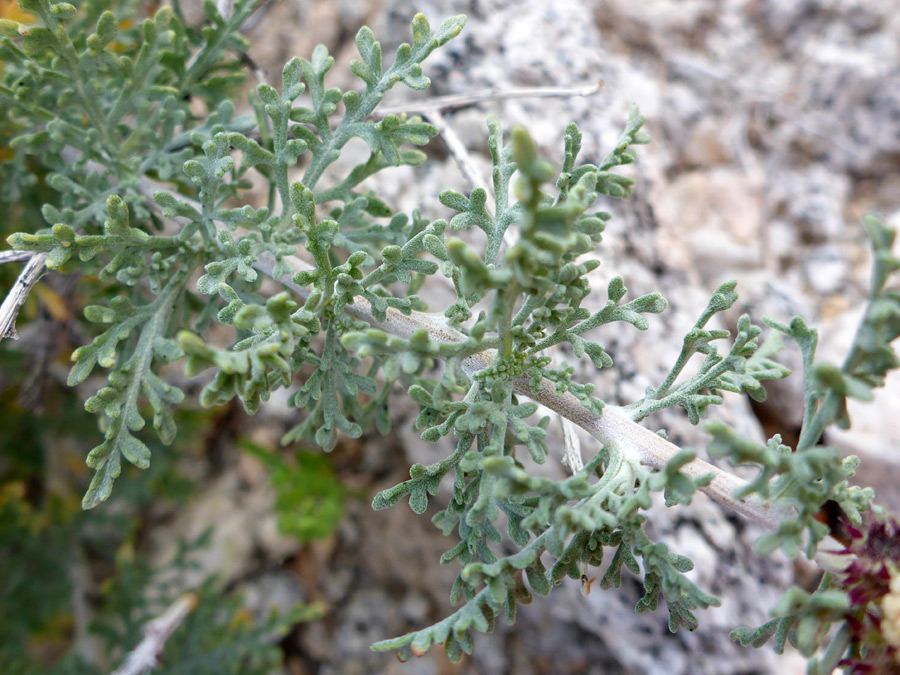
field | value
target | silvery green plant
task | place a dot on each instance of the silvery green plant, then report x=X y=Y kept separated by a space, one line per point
x=149 y=196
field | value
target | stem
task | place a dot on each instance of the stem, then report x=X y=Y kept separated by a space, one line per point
x=454 y=101
x=145 y=657
x=812 y=429
x=9 y=310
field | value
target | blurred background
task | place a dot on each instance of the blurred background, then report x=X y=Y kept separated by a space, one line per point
x=775 y=125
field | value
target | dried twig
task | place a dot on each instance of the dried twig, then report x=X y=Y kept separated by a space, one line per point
x=146 y=655
x=9 y=310
x=14 y=256
x=257 y=17
x=460 y=153
x=572 y=452
x=259 y=73
x=439 y=103
x=571 y=458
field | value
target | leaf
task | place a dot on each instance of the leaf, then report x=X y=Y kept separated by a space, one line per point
x=131 y=376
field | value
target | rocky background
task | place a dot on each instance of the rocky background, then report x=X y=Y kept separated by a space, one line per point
x=776 y=125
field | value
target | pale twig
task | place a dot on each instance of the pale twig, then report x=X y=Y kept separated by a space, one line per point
x=157 y=632
x=572 y=453
x=432 y=107
x=14 y=256
x=571 y=443
x=258 y=15
x=439 y=103
x=9 y=310
x=259 y=73
x=460 y=153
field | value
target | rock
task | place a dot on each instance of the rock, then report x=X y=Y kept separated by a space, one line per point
x=717 y=214
x=826 y=270
x=277 y=590
x=241 y=524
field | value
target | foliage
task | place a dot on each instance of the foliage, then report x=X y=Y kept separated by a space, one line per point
x=31 y=579
x=813 y=479
x=51 y=552
x=217 y=637
x=310 y=501
x=132 y=127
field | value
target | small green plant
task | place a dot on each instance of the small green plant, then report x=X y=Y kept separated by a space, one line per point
x=148 y=196
x=216 y=637
x=310 y=497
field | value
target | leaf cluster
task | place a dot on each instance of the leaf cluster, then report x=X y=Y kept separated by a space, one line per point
x=109 y=110
x=310 y=497
x=813 y=480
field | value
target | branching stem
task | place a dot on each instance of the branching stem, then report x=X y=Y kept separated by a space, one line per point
x=9 y=310
x=614 y=426
x=145 y=657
